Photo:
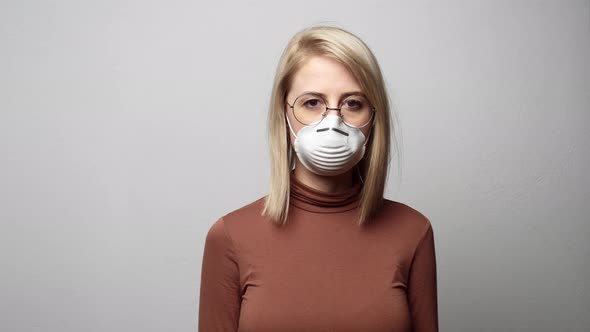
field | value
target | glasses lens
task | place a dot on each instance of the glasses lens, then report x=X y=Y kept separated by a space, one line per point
x=356 y=111
x=309 y=108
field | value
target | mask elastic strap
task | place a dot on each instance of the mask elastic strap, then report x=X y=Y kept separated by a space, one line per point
x=291 y=156
x=289 y=123
x=370 y=132
x=365 y=144
x=359 y=173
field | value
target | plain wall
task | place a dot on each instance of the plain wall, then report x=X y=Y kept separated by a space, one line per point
x=128 y=127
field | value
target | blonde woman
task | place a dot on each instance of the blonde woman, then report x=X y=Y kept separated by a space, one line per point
x=324 y=250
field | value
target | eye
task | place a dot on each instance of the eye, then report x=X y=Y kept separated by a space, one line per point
x=312 y=103
x=354 y=103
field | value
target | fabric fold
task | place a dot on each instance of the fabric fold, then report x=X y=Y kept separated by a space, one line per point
x=311 y=199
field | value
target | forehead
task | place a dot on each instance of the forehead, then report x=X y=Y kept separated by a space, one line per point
x=323 y=75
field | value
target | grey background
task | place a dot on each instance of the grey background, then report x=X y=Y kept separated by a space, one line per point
x=128 y=127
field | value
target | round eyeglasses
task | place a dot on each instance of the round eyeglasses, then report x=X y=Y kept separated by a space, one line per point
x=311 y=108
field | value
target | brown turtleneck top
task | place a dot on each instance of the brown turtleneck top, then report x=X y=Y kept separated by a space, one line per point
x=321 y=271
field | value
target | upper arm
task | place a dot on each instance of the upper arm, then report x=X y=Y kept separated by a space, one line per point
x=422 y=285
x=220 y=298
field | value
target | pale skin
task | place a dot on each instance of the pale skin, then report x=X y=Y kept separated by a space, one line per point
x=324 y=75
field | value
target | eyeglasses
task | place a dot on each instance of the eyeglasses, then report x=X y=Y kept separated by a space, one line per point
x=311 y=108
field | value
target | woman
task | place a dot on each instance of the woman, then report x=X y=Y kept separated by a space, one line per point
x=323 y=251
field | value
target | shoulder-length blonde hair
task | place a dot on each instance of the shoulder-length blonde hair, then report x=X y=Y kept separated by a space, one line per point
x=356 y=56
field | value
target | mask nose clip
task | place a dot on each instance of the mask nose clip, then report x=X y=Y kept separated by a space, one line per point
x=334 y=129
x=333 y=122
x=339 y=131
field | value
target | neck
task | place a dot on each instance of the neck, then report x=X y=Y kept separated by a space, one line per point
x=329 y=184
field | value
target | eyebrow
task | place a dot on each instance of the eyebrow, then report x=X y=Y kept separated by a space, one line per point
x=344 y=95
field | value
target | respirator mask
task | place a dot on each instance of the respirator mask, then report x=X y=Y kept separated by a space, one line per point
x=329 y=146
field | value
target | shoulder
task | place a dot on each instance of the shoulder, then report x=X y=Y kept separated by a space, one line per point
x=405 y=216
x=239 y=221
x=249 y=211
x=406 y=211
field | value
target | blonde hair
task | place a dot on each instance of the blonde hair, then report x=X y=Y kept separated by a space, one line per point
x=356 y=56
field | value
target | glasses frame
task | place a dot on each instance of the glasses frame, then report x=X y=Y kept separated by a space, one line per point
x=339 y=109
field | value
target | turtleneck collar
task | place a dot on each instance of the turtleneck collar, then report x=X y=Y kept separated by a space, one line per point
x=314 y=200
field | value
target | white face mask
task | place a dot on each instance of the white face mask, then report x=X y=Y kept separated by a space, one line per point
x=330 y=147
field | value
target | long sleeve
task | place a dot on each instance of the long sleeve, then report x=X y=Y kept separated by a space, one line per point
x=422 y=288
x=220 y=300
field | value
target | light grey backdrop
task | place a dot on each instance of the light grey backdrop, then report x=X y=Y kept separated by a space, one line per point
x=128 y=127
